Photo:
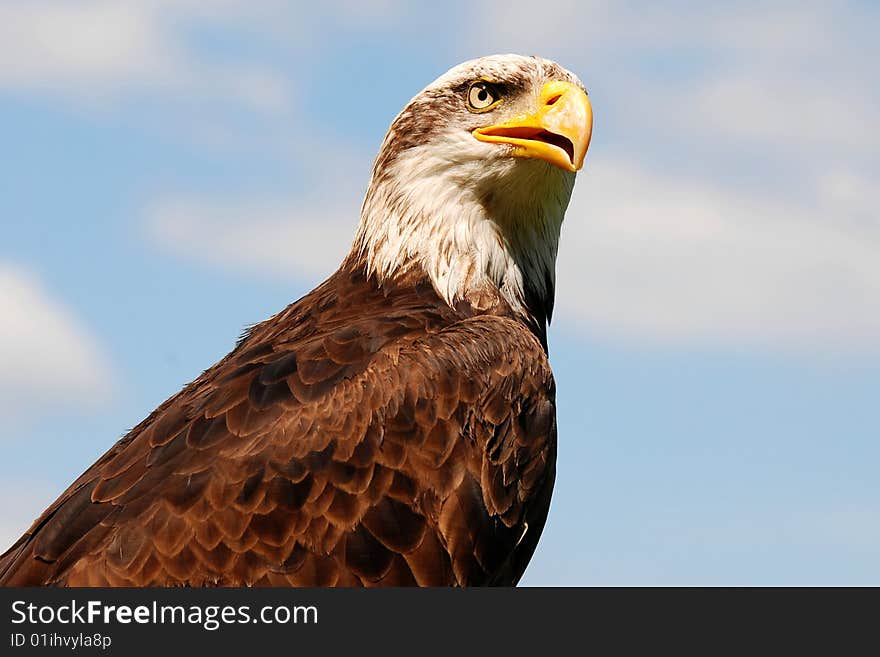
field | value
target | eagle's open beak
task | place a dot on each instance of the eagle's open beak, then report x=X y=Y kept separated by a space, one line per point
x=558 y=131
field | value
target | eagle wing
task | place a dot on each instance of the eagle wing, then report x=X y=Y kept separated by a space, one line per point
x=373 y=453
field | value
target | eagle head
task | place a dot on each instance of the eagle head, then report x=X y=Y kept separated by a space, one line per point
x=472 y=181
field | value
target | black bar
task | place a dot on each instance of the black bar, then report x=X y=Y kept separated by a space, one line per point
x=411 y=622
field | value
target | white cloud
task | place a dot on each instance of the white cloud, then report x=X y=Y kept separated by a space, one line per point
x=98 y=40
x=291 y=239
x=781 y=111
x=46 y=355
x=850 y=192
x=30 y=501
x=781 y=72
x=663 y=260
x=305 y=236
x=96 y=51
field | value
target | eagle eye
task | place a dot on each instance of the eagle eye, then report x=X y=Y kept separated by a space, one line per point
x=482 y=96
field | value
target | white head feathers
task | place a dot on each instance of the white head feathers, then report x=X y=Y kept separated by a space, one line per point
x=478 y=221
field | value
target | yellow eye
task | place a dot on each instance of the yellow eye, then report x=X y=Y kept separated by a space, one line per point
x=481 y=96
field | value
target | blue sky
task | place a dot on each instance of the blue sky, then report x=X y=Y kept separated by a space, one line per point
x=174 y=171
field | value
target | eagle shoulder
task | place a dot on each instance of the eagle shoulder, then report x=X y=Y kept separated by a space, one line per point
x=410 y=444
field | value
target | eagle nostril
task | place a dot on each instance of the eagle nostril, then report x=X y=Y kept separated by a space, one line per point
x=553 y=98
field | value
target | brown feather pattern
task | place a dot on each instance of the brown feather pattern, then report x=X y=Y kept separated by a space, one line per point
x=363 y=436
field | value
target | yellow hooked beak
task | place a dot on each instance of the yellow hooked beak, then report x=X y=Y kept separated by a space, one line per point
x=558 y=131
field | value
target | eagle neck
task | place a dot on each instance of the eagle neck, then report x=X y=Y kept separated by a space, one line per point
x=480 y=243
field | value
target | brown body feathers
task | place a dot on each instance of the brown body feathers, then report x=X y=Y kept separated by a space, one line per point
x=363 y=436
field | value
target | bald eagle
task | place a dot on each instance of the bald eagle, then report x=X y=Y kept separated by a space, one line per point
x=395 y=426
